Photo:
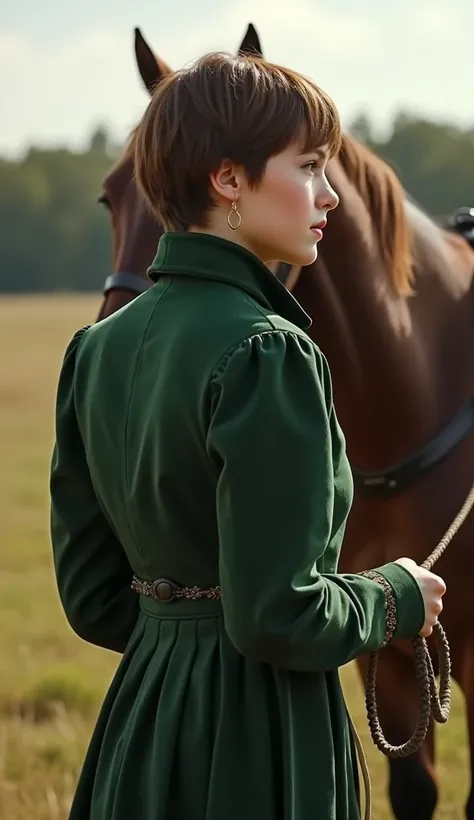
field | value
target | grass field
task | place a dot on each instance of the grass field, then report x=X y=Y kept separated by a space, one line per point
x=51 y=683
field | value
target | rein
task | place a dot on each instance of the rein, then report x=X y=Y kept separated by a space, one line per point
x=434 y=704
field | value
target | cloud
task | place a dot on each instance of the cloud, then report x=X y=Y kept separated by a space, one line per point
x=435 y=20
x=311 y=35
x=58 y=91
x=13 y=46
x=379 y=60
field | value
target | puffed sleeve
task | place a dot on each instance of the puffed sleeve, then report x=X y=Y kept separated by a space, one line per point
x=270 y=439
x=92 y=571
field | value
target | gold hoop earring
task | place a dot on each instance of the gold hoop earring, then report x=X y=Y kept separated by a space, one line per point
x=233 y=211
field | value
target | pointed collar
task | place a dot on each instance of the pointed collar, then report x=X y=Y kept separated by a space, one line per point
x=204 y=256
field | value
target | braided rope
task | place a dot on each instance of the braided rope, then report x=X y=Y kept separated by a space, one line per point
x=433 y=703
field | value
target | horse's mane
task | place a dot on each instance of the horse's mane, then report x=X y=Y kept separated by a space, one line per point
x=384 y=197
x=129 y=150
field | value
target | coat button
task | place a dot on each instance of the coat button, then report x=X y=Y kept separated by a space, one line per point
x=163 y=589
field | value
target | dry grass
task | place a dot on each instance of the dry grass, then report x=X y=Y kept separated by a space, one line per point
x=51 y=683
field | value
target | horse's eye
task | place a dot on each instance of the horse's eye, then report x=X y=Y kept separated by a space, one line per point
x=104 y=200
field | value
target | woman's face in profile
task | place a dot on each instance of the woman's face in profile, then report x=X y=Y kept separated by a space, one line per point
x=284 y=216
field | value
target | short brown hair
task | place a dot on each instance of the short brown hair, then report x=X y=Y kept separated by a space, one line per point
x=241 y=108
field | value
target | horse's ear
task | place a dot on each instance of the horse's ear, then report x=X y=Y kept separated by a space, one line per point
x=151 y=68
x=251 y=43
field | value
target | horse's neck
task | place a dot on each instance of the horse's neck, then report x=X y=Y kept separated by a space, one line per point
x=393 y=359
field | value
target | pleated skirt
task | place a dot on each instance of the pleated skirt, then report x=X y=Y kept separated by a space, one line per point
x=191 y=729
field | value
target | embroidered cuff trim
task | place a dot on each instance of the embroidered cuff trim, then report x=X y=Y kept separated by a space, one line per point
x=390 y=604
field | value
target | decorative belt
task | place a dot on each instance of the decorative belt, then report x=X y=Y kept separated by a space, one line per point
x=165 y=590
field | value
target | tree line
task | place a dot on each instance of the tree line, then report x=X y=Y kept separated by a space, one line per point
x=55 y=237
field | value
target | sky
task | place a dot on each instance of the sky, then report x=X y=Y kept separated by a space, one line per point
x=67 y=67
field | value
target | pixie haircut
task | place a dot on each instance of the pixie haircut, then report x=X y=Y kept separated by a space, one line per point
x=223 y=107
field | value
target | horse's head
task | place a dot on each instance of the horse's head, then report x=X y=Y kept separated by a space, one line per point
x=135 y=231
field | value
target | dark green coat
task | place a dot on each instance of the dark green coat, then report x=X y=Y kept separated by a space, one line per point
x=197 y=440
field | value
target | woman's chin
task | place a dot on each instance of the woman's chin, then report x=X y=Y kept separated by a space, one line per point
x=306 y=257
x=299 y=256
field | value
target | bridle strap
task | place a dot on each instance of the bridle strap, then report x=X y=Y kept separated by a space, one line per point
x=282 y=272
x=127 y=281
x=397 y=479
x=288 y=274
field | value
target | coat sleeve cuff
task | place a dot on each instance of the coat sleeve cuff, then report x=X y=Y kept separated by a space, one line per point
x=404 y=604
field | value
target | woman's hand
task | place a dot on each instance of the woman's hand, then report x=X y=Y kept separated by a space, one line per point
x=432 y=589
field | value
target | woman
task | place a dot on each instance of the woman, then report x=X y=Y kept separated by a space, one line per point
x=200 y=486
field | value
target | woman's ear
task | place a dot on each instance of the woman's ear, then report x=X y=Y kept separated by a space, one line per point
x=227 y=180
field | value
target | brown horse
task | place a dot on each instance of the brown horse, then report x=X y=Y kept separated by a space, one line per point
x=392 y=301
